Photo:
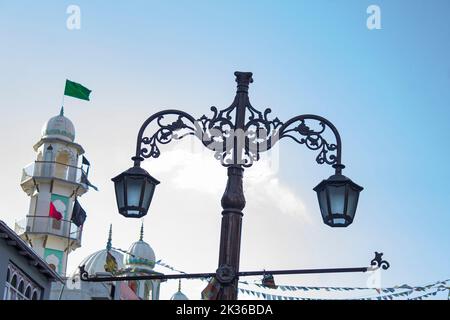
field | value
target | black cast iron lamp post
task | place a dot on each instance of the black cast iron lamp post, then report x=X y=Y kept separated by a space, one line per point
x=237 y=135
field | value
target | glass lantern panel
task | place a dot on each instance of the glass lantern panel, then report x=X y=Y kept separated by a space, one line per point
x=133 y=212
x=352 y=201
x=339 y=221
x=323 y=203
x=120 y=194
x=134 y=186
x=337 y=198
x=148 y=194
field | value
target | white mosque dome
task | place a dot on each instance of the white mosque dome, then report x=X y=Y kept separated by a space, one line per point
x=95 y=262
x=59 y=127
x=141 y=255
x=179 y=296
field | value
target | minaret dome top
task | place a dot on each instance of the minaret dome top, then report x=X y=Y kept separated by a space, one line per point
x=59 y=127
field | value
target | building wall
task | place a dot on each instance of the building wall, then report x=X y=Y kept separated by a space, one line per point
x=9 y=254
x=82 y=290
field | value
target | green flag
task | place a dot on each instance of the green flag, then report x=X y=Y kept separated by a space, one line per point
x=76 y=90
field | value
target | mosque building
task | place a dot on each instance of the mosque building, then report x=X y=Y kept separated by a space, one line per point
x=53 y=182
x=138 y=260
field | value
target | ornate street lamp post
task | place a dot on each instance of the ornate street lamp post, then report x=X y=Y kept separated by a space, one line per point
x=237 y=135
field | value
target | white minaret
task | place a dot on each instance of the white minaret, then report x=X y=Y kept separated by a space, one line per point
x=55 y=177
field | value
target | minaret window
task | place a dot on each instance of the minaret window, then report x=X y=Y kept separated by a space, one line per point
x=62 y=165
x=49 y=153
x=46 y=165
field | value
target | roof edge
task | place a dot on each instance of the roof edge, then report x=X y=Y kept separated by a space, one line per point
x=29 y=253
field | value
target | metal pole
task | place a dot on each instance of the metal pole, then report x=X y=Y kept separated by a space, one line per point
x=85 y=277
x=233 y=200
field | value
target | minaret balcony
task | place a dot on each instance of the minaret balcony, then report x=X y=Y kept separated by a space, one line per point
x=51 y=170
x=45 y=225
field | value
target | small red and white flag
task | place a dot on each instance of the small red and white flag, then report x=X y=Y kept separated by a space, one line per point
x=54 y=213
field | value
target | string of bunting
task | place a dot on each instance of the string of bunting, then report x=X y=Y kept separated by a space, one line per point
x=431 y=294
x=381 y=290
x=159 y=262
x=267 y=296
x=392 y=291
x=438 y=286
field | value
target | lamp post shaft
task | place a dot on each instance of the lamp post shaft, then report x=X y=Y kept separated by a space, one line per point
x=233 y=200
x=241 y=101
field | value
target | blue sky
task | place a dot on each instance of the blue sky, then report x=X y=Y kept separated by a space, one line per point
x=386 y=90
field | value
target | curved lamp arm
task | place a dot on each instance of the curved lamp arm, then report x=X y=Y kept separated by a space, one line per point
x=298 y=130
x=147 y=146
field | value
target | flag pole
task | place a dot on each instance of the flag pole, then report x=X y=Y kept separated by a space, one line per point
x=63 y=95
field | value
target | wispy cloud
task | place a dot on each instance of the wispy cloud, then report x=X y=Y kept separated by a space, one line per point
x=182 y=167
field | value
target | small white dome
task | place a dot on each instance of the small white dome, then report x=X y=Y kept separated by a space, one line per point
x=179 y=296
x=140 y=255
x=59 y=127
x=95 y=262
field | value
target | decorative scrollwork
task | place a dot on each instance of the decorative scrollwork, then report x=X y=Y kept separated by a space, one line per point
x=378 y=262
x=239 y=133
x=217 y=131
x=297 y=130
x=84 y=275
x=165 y=133
x=260 y=134
x=220 y=134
